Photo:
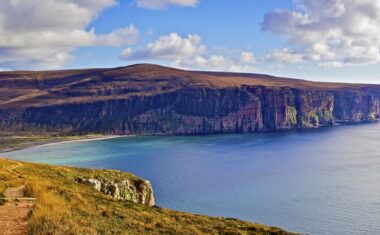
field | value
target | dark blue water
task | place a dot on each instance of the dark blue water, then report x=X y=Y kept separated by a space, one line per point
x=323 y=181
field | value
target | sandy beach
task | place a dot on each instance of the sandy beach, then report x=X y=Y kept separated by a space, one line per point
x=85 y=140
x=48 y=141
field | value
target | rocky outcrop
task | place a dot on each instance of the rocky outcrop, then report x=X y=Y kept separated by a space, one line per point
x=137 y=191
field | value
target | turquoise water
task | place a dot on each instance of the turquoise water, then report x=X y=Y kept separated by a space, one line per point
x=323 y=181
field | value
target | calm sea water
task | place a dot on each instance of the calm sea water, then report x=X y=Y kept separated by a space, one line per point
x=323 y=181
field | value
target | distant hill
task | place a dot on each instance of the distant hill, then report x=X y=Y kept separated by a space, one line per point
x=152 y=99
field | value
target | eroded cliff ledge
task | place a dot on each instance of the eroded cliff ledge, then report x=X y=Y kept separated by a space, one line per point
x=137 y=190
x=149 y=99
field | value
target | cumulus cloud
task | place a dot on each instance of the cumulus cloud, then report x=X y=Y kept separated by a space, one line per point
x=163 y=4
x=247 y=57
x=331 y=64
x=284 y=55
x=42 y=33
x=189 y=53
x=168 y=47
x=215 y=63
x=334 y=33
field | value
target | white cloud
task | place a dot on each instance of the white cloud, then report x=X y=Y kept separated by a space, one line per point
x=214 y=63
x=284 y=55
x=247 y=57
x=189 y=53
x=163 y=4
x=332 y=32
x=168 y=47
x=42 y=33
x=331 y=64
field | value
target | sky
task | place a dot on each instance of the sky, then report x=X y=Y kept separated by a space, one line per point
x=323 y=40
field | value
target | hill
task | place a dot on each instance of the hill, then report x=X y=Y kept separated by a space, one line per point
x=62 y=204
x=151 y=99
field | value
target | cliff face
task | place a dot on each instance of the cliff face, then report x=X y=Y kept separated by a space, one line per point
x=137 y=191
x=186 y=106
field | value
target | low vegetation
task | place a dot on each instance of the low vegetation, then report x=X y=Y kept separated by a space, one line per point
x=63 y=206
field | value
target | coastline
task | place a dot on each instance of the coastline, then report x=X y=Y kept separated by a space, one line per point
x=98 y=212
x=50 y=140
x=84 y=140
x=89 y=138
x=25 y=142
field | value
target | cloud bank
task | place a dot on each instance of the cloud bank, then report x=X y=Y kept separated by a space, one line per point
x=41 y=34
x=334 y=33
x=189 y=53
x=163 y=4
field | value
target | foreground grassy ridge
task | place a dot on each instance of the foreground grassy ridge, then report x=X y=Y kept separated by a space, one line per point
x=66 y=207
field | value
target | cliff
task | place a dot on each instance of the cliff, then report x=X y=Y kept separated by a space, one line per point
x=150 y=99
x=63 y=206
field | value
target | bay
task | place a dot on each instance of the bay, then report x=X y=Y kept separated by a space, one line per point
x=323 y=181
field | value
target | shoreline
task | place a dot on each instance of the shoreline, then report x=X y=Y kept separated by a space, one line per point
x=83 y=140
x=55 y=140
x=50 y=141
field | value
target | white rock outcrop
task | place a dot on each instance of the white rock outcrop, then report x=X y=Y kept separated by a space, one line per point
x=138 y=191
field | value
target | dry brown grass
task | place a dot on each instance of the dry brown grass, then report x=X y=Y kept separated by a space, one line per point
x=66 y=207
x=38 y=89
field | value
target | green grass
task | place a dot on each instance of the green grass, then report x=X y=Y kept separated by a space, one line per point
x=66 y=207
x=291 y=114
x=314 y=118
x=328 y=115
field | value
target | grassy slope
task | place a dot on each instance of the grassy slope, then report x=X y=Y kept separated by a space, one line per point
x=39 y=89
x=66 y=207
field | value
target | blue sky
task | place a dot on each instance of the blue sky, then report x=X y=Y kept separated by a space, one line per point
x=221 y=23
x=327 y=40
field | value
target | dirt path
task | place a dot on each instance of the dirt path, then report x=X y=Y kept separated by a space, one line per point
x=14 y=214
x=18 y=164
x=13 y=217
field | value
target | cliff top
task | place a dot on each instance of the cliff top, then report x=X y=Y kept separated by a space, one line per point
x=80 y=209
x=40 y=88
